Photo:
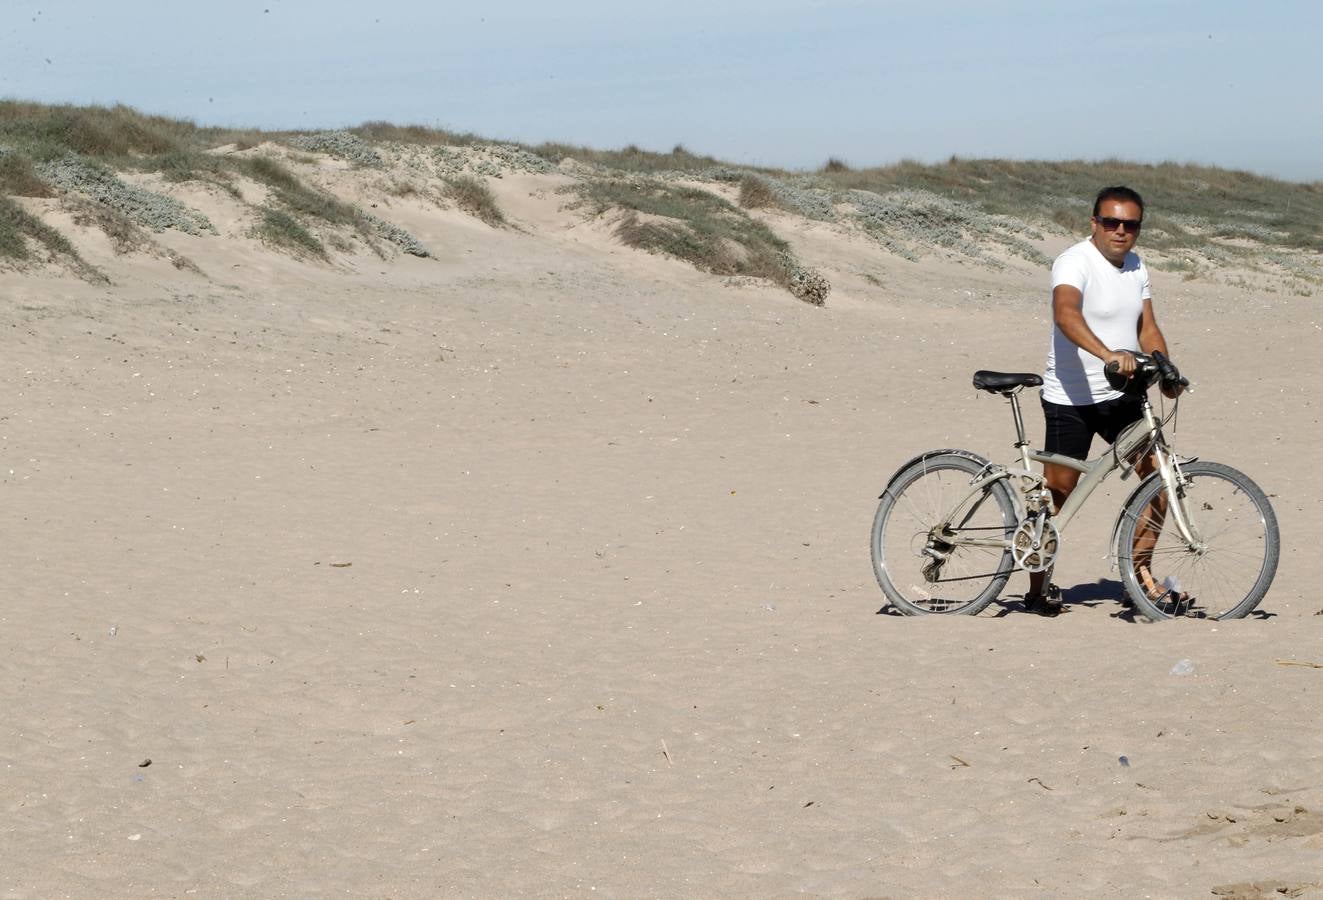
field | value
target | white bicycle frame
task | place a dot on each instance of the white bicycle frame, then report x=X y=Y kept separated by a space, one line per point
x=1145 y=434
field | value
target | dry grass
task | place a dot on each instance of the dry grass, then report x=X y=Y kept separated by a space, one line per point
x=183 y=263
x=192 y=165
x=755 y=193
x=118 y=133
x=629 y=159
x=125 y=237
x=1178 y=198
x=19 y=229
x=398 y=188
x=1213 y=217
x=690 y=224
x=15 y=224
x=474 y=197
x=299 y=202
x=414 y=134
x=19 y=179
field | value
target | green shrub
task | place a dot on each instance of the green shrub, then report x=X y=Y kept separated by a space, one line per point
x=268 y=171
x=280 y=229
x=397 y=236
x=100 y=182
x=341 y=144
x=190 y=165
x=314 y=203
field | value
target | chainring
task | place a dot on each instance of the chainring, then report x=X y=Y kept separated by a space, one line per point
x=1035 y=555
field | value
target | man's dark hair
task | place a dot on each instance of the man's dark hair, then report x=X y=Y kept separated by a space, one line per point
x=1124 y=194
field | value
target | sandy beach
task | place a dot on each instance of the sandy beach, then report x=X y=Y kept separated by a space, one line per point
x=540 y=568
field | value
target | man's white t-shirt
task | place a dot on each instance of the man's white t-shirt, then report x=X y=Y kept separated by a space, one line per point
x=1113 y=302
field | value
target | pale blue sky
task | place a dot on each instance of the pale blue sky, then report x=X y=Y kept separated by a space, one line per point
x=1232 y=84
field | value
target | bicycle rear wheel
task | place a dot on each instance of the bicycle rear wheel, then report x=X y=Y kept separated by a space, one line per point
x=1225 y=572
x=924 y=570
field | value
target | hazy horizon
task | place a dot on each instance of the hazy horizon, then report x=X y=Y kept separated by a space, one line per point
x=777 y=84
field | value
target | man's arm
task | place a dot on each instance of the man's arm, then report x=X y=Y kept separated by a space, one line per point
x=1068 y=314
x=1150 y=335
x=1151 y=338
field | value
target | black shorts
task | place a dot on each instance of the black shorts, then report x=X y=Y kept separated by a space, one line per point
x=1070 y=429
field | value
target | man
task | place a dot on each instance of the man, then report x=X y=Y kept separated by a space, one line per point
x=1102 y=309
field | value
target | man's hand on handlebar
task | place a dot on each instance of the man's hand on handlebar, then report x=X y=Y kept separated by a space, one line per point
x=1124 y=361
x=1168 y=377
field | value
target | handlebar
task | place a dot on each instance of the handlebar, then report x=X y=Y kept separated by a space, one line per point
x=1156 y=367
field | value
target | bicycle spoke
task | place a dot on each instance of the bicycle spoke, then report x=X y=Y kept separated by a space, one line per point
x=930 y=569
x=1224 y=571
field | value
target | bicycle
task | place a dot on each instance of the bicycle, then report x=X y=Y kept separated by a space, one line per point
x=1193 y=539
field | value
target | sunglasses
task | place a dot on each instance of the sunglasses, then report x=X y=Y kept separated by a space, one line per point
x=1111 y=224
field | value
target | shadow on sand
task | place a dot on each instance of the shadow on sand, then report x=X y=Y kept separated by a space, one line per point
x=1091 y=595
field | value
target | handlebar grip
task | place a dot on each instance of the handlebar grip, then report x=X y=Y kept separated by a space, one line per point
x=1167 y=370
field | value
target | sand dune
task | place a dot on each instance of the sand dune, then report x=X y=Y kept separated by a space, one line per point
x=541 y=568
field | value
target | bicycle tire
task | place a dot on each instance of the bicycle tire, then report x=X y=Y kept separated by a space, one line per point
x=1228 y=574
x=907 y=512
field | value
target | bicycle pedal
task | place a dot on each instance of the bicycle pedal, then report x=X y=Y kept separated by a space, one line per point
x=1042 y=605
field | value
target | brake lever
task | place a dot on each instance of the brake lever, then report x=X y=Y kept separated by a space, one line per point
x=1168 y=372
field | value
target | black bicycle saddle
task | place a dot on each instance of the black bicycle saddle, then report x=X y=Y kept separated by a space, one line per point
x=1000 y=382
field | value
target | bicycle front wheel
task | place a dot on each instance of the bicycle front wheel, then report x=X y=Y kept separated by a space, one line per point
x=922 y=557
x=1224 y=572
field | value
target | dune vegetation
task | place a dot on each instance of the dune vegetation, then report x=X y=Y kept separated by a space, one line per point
x=717 y=216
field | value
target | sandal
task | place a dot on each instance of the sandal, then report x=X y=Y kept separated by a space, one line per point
x=1158 y=593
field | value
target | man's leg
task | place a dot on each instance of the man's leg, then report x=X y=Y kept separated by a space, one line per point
x=1119 y=415
x=1068 y=433
x=1060 y=480
x=1147 y=531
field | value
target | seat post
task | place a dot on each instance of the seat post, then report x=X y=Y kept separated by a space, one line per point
x=1020 y=441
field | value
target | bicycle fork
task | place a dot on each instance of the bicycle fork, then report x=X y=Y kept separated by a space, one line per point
x=1170 y=472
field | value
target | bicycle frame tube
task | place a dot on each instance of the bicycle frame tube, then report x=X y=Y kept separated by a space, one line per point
x=1147 y=431
x=963 y=507
x=1095 y=471
x=1131 y=441
x=1167 y=468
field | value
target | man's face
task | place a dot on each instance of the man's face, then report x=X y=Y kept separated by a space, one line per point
x=1115 y=242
